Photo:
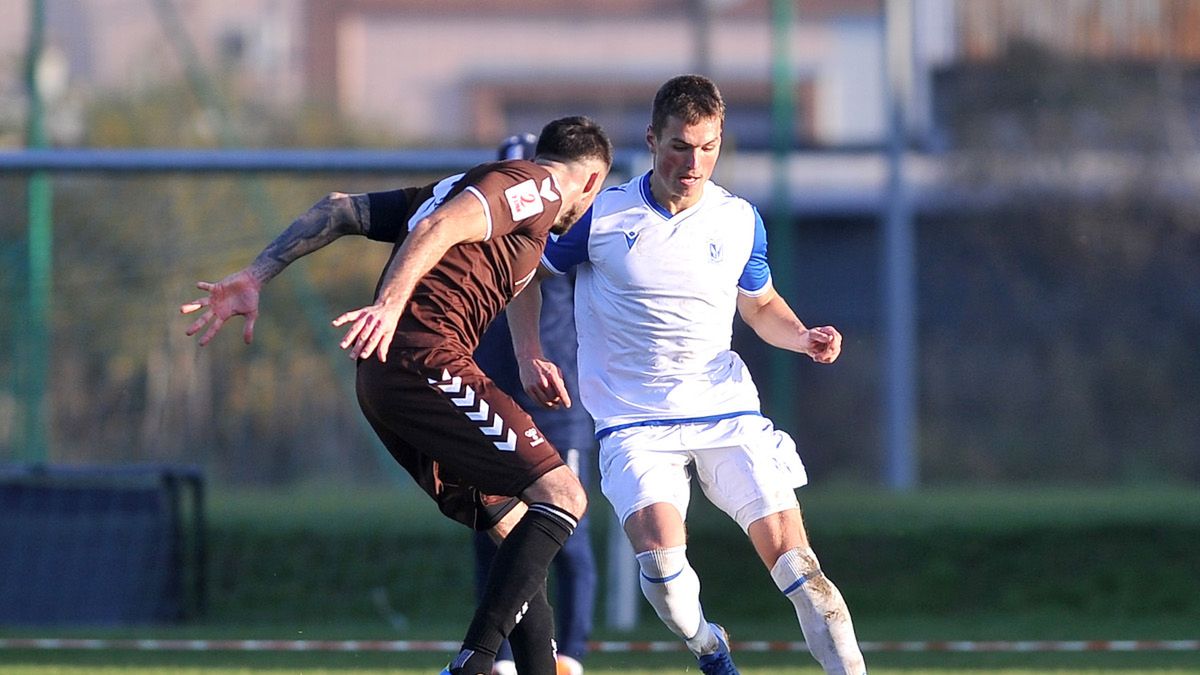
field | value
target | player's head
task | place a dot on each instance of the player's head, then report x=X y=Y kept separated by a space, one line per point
x=518 y=146
x=684 y=137
x=579 y=142
x=573 y=139
x=691 y=98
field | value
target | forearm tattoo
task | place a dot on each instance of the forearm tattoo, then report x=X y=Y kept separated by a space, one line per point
x=328 y=219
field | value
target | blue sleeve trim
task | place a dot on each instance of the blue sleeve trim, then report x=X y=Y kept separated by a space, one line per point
x=757 y=273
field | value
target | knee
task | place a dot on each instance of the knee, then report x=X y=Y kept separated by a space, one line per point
x=576 y=501
x=776 y=534
x=658 y=526
x=561 y=488
x=570 y=490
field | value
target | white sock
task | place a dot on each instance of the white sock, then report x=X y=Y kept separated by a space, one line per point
x=673 y=589
x=823 y=614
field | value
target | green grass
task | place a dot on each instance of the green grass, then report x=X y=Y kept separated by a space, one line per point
x=336 y=539
x=969 y=627
x=319 y=553
x=841 y=507
x=133 y=662
x=215 y=664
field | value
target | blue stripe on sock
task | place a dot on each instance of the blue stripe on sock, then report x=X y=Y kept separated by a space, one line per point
x=799 y=582
x=660 y=580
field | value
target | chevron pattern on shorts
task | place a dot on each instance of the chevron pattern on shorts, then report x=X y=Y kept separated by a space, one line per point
x=477 y=410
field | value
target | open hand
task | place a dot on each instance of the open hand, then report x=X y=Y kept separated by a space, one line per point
x=235 y=295
x=371 y=332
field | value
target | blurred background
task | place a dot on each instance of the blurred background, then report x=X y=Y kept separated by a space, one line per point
x=1041 y=270
x=994 y=200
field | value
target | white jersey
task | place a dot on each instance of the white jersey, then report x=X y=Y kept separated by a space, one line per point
x=655 y=296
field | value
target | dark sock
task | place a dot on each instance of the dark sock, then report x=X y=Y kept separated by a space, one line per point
x=532 y=639
x=472 y=662
x=518 y=572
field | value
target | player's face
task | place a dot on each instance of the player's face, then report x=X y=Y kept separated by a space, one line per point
x=568 y=217
x=684 y=158
x=571 y=213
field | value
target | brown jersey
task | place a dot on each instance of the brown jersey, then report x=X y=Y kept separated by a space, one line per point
x=465 y=441
x=455 y=301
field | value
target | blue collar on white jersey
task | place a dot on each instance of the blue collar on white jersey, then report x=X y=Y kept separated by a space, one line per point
x=648 y=197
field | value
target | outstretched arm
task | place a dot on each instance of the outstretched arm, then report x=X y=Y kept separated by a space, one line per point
x=460 y=220
x=336 y=215
x=775 y=322
x=542 y=379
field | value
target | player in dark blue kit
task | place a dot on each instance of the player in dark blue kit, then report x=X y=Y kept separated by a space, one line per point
x=570 y=430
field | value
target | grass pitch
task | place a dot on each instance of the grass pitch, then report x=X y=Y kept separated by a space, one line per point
x=830 y=512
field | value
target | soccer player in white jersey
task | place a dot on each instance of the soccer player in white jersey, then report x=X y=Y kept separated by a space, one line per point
x=662 y=263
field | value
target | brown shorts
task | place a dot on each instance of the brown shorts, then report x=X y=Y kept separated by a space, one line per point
x=464 y=441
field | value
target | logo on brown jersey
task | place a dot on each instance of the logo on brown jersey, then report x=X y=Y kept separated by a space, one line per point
x=524 y=200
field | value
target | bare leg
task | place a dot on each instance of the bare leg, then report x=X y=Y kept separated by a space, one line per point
x=782 y=544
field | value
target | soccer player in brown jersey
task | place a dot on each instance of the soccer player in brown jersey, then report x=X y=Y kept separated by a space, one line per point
x=464 y=247
x=570 y=430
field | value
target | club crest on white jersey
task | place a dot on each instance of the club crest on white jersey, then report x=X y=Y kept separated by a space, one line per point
x=658 y=292
x=715 y=249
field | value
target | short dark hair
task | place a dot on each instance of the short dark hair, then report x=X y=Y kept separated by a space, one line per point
x=691 y=98
x=574 y=138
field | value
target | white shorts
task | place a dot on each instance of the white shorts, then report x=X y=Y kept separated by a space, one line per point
x=746 y=467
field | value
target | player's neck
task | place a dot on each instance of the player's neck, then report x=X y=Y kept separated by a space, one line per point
x=674 y=203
